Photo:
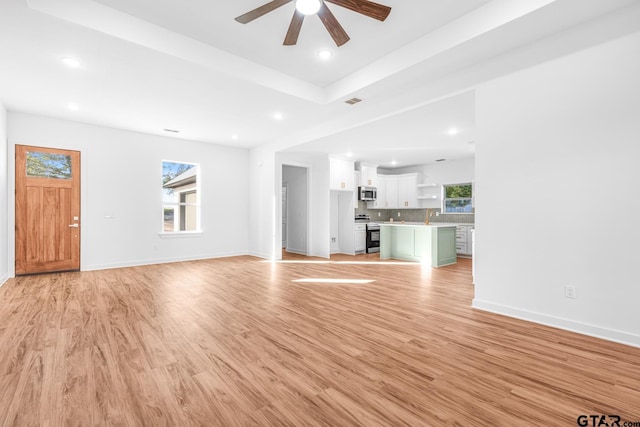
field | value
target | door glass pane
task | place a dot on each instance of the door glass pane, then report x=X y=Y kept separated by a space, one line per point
x=48 y=165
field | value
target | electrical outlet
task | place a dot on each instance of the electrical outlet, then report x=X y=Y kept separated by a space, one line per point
x=333 y=239
x=398 y=214
x=378 y=213
x=569 y=291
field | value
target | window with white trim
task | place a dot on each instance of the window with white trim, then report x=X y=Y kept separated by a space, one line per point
x=180 y=197
x=458 y=198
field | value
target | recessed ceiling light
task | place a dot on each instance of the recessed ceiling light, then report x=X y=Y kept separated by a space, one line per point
x=393 y=163
x=452 y=131
x=349 y=154
x=234 y=136
x=70 y=62
x=325 y=54
x=278 y=116
x=73 y=107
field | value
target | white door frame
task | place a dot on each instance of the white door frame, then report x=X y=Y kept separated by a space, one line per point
x=278 y=218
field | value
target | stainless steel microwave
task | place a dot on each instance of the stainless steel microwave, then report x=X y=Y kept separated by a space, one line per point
x=367 y=193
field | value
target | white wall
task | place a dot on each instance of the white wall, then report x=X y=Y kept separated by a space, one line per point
x=121 y=176
x=557 y=194
x=264 y=194
x=297 y=191
x=334 y=222
x=4 y=198
x=455 y=171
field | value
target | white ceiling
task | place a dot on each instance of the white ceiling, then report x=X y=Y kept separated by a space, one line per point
x=188 y=65
x=260 y=41
x=390 y=143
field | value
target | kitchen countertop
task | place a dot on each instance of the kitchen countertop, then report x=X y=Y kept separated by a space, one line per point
x=455 y=223
x=417 y=224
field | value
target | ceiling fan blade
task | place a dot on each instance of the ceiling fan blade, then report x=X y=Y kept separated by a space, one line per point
x=365 y=7
x=294 y=29
x=332 y=25
x=262 y=10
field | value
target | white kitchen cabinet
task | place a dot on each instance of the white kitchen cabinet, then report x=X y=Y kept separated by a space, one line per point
x=391 y=200
x=381 y=197
x=397 y=192
x=368 y=175
x=463 y=239
x=408 y=191
x=341 y=174
x=360 y=237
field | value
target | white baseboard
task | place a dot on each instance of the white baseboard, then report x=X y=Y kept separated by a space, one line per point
x=259 y=255
x=3 y=280
x=160 y=261
x=296 y=251
x=558 y=322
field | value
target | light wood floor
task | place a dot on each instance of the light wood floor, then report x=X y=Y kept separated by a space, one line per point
x=235 y=342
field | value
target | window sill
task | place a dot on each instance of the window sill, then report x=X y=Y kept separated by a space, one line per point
x=180 y=234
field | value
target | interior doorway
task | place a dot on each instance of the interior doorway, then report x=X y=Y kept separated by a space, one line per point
x=47 y=214
x=295 y=211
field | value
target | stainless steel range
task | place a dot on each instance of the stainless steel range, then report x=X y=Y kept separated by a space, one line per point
x=360 y=229
x=373 y=237
x=372 y=240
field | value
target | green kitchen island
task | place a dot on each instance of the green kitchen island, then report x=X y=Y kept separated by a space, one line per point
x=431 y=244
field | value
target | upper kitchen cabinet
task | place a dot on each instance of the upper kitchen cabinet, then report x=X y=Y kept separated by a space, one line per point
x=391 y=201
x=341 y=175
x=381 y=197
x=368 y=175
x=397 y=192
x=387 y=189
x=408 y=191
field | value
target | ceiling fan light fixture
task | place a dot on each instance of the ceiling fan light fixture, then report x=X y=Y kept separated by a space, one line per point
x=308 y=7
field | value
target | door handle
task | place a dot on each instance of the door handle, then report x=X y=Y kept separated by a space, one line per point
x=73 y=225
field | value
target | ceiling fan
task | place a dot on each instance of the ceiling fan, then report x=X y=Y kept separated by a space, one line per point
x=313 y=7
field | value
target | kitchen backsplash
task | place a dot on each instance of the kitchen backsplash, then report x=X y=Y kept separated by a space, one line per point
x=412 y=215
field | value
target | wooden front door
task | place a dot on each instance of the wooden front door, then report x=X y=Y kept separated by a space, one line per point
x=47 y=210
